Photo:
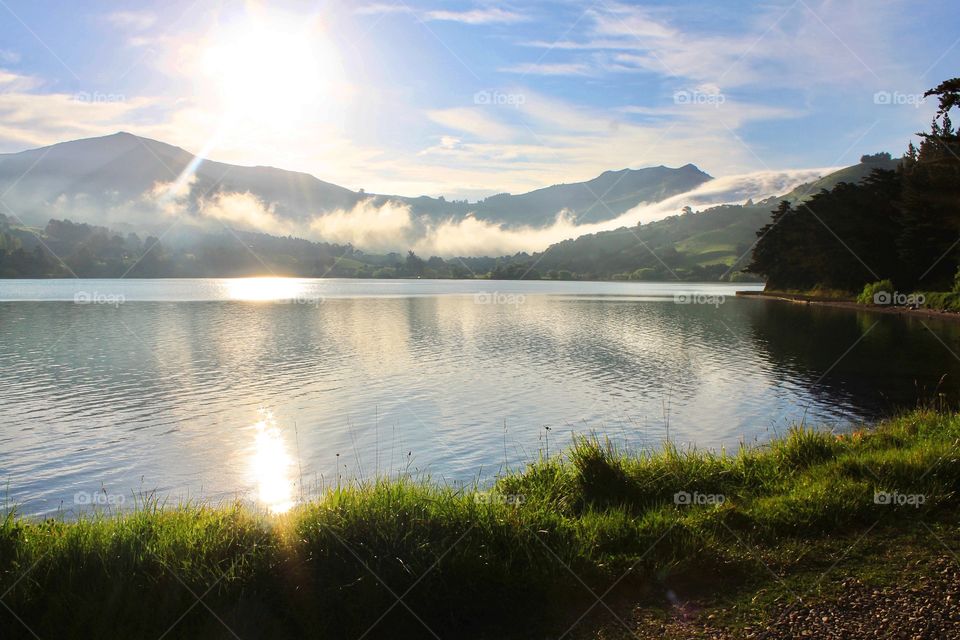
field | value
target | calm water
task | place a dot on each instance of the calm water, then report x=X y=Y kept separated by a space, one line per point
x=218 y=389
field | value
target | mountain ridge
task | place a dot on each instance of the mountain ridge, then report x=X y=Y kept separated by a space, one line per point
x=106 y=172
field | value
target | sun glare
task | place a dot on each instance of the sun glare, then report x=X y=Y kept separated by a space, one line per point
x=269 y=70
x=263 y=289
x=272 y=467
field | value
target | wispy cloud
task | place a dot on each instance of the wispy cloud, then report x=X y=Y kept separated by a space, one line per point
x=473 y=120
x=779 y=45
x=9 y=57
x=134 y=20
x=478 y=16
x=549 y=68
x=489 y=15
x=377 y=8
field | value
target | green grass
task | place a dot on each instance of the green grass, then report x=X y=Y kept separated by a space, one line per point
x=515 y=561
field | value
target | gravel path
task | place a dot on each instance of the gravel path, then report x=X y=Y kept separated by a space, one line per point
x=926 y=608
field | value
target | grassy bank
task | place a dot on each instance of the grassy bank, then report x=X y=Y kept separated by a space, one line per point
x=399 y=558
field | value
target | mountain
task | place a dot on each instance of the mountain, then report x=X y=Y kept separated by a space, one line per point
x=99 y=173
x=106 y=180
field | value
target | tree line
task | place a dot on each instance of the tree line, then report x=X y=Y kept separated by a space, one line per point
x=901 y=225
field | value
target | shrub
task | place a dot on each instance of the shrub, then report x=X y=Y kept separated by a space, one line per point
x=873 y=292
x=941 y=300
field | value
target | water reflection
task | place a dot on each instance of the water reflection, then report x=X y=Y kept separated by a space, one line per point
x=149 y=394
x=272 y=467
x=263 y=289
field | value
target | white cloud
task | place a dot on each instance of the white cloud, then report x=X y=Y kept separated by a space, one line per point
x=549 y=68
x=134 y=20
x=473 y=120
x=14 y=82
x=633 y=22
x=489 y=15
x=9 y=57
x=479 y=16
x=786 y=45
x=31 y=119
x=377 y=8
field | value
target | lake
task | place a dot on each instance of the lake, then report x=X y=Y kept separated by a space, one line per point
x=266 y=389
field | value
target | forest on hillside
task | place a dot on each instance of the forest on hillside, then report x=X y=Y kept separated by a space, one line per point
x=901 y=226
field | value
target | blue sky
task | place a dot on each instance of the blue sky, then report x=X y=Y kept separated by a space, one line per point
x=466 y=99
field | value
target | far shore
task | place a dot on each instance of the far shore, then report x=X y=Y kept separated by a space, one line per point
x=848 y=303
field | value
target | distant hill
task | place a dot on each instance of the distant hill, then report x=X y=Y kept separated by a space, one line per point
x=617 y=192
x=852 y=174
x=684 y=246
x=707 y=244
x=84 y=179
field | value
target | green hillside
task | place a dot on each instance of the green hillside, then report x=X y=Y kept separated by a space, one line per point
x=710 y=244
x=853 y=174
x=687 y=246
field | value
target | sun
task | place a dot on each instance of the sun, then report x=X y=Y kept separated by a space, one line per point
x=267 y=69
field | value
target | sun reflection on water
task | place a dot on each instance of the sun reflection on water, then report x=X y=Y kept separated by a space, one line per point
x=271 y=467
x=263 y=289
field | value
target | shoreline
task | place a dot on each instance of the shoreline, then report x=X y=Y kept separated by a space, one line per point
x=679 y=542
x=846 y=303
